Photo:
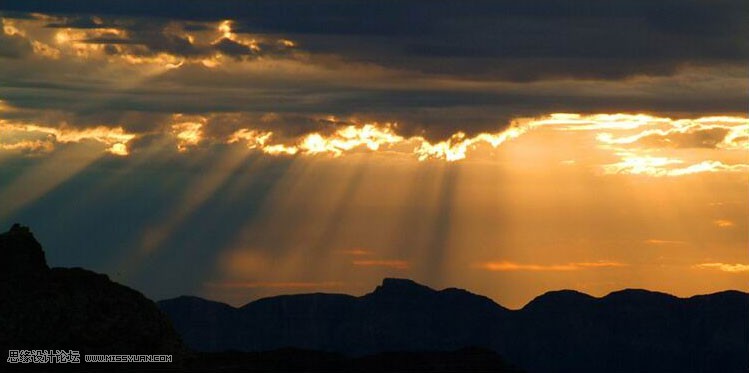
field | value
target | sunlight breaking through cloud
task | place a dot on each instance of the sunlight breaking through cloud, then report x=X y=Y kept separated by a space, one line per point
x=36 y=138
x=718 y=133
x=188 y=134
x=645 y=145
x=456 y=147
x=373 y=137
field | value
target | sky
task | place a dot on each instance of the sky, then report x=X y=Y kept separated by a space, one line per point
x=237 y=149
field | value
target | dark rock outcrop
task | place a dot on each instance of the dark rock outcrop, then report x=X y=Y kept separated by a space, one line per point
x=73 y=308
x=22 y=256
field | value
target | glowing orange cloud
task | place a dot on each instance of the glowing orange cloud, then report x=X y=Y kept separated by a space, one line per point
x=72 y=42
x=637 y=158
x=253 y=138
x=82 y=43
x=10 y=29
x=457 y=146
x=350 y=137
x=27 y=145
x=664 y=242
x=579 y=122
x=737 y=138
x=664 y=166
x=356 y=252
x=225 y=29
x=731 y=268
x=369 y=136
x=45 y=50
x=373 y=137
x=115 y=138
x=280 y=149
x=723 y=223
x=226 y=32
x=735 y=133
x=510 y=266
x=188 y=134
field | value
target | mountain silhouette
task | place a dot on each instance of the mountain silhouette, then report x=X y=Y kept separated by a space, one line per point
x=560 y=331
x=400 y=326
x=73 y=308
x=400 y=315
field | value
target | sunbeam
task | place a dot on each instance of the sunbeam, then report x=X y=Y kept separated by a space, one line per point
x=44 y=176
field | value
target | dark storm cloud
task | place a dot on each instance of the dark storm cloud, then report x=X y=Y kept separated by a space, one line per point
x=156 y=42
x=434 y=67
x=152 y=40
x=245 y=100
x=509 y=40
x=81 y=23
x=151 y=36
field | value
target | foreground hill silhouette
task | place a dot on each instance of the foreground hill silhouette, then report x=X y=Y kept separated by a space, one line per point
x=561 y=331
x=73 y=308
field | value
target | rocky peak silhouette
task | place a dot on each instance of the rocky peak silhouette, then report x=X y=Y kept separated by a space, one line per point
x=400 y=287
x=22 y=254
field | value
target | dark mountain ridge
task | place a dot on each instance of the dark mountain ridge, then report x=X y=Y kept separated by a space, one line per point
x=560 y=331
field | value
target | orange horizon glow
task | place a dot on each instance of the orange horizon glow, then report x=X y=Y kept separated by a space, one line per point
x=510 y=266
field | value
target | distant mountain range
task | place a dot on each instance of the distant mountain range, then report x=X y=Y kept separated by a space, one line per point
x=560 y=331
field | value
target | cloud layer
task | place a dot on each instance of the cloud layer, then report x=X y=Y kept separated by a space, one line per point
x=434 y=67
